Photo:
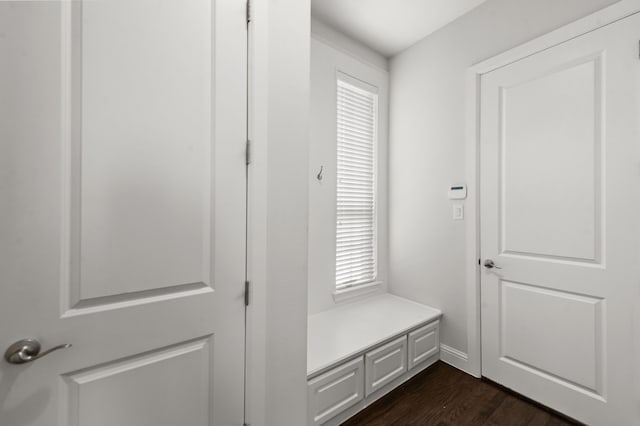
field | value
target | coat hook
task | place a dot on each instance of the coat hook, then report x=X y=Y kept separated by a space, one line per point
x=319 y=177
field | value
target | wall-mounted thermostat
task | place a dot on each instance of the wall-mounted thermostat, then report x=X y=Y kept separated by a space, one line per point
x=457 y=192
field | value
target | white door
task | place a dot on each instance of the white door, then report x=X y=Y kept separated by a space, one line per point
x=560 y=212
x=122 y=211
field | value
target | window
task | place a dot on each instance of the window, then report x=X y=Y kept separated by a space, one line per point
x=356 y=233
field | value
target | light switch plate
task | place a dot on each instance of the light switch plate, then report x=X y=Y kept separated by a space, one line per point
x=458 y=212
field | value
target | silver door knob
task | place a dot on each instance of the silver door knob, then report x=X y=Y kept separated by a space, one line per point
x=27 y=350
x=489 y=264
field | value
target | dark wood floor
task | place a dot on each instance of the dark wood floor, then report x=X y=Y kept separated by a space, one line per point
x=443 y=395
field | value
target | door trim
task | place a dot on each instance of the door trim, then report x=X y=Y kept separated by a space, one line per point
x=596 y=20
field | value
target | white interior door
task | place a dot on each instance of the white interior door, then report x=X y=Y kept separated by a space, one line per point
x=122 y=194
x=559 y=214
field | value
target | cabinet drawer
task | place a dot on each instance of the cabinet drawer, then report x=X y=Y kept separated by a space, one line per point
x=335 y=391
x=385 y=364
x=423 y=343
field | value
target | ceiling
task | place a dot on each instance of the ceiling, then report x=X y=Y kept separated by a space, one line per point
x=389 y=26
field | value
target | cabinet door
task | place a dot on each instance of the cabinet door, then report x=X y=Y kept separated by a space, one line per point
x=423 y=344
x=335 y=391
x=385 y=364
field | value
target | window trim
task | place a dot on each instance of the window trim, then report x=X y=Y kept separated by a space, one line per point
x=354 y=81
x=348 y=293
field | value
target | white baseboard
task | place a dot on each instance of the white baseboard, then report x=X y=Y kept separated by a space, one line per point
x=455 y=358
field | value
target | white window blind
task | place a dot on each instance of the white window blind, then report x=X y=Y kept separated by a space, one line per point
x=357 y=124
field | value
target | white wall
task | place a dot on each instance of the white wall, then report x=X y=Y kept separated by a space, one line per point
x=427 y=146
x=278 y=190
x=332 y=52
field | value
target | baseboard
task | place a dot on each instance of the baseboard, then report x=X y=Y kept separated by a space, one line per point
x=455 y=358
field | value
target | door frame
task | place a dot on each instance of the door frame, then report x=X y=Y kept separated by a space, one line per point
x=276 y=361
x=623 y=9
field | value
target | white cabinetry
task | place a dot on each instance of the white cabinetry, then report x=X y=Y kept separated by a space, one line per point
x=385 y=364
x=423 y=344
x=360 y=351
x=335 y=391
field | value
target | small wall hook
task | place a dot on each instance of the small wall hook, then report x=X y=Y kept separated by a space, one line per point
x=319 y=176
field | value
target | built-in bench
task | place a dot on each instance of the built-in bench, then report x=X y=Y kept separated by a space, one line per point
x=358 y=352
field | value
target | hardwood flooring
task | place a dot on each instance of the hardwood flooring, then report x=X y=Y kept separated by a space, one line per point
x=443 y=395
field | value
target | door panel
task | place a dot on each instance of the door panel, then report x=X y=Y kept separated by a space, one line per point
x=140 y=123
x=551 y=124
x=182 y=372
x=529 y=339
x=123 y=210
x=559 y=155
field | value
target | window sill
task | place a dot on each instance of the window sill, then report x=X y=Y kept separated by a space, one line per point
x=357 y=291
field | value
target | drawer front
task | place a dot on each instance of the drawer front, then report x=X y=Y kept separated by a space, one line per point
x=423 y=343
x=385 y=364
x=335 y=391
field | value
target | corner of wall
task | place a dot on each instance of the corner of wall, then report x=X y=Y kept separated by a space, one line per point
x=334 y=38
x=456 y=358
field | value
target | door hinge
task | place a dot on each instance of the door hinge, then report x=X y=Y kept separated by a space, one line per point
x=247 y=153
x=248 y=11
x=246 y=293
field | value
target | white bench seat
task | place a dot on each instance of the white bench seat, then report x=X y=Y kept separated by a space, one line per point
x=360 y=351
x=348 y=330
